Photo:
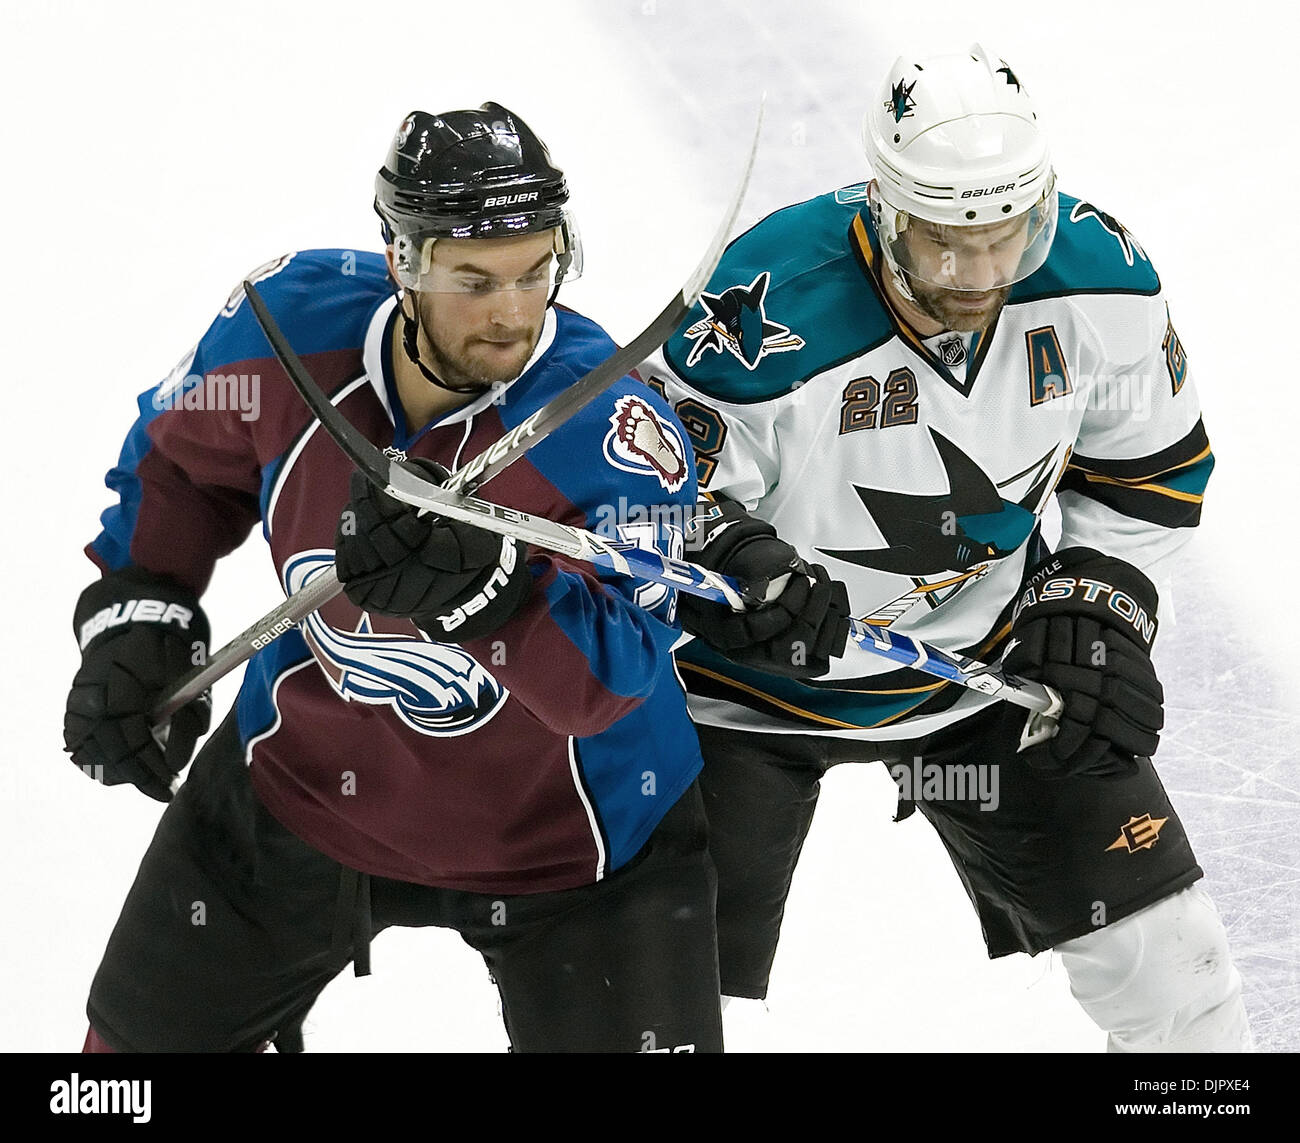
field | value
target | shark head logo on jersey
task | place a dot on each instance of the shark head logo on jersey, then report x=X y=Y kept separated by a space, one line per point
x=945 y=542
x=641 y=441
x=434 y=688
x=736 y=322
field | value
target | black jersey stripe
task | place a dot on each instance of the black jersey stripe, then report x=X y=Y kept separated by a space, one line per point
x=1191 y=449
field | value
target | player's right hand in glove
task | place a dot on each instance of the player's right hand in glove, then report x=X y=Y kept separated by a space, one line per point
x=1084 y=624
x=454 y=581
x=139 y=633
x=796 y=633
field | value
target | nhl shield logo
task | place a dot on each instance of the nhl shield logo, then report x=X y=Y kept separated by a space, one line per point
x=641 y=441
x=952 y=351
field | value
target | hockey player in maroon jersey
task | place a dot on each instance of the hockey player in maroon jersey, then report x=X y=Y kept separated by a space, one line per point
x=476 y=735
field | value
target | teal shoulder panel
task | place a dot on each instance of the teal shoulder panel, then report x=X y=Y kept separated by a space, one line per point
x=1092 y=254
x=790 y=299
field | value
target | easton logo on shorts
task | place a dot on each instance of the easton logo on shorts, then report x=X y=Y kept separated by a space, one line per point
x=1138 y=833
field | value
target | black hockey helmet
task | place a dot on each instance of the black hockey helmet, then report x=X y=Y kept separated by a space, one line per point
x=470 y=174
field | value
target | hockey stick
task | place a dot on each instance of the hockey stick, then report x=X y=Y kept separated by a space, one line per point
x=482 y=468
x=391 y=471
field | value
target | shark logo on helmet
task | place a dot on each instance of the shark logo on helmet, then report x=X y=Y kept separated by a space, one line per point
x=901 y=103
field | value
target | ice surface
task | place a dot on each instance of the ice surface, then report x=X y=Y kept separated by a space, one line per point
x=155 y=156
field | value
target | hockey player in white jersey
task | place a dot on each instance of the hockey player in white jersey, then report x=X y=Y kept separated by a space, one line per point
x=891 y=381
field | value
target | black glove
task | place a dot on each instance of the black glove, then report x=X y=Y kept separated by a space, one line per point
x=797 y=633
x=1085 y=623
x=138 y=633
x=455 y=581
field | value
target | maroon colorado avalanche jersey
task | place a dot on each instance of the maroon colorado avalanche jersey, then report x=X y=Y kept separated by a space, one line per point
x=537 y=758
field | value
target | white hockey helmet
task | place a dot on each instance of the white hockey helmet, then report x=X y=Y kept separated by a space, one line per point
x=954 y=140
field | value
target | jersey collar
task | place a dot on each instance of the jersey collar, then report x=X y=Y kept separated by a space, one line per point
x=866 y=248
x=376 y=357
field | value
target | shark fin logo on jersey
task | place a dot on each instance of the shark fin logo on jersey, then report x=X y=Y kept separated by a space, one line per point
x=953 y=531
x=953 y=536
x=901 y=104
x=641 y=441
x=434 y=688
x=1127 y=243
x=736 y=321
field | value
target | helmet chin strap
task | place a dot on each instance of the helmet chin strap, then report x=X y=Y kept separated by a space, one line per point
x=410 y=332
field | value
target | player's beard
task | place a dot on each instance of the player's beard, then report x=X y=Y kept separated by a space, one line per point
x=941 y=305
x=470 y=363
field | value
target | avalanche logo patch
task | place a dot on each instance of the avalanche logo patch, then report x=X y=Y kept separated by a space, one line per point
x=735 y=321
x=404 y=132
x=1138 y=833
x=641 y=441
x=434 y=688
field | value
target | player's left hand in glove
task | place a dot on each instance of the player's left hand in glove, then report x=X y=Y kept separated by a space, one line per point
x=139 y=633
x=1084 y=625
x=795 y=633
x=454 y=581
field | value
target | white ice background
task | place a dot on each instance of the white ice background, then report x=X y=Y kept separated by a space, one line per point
x=157 y=151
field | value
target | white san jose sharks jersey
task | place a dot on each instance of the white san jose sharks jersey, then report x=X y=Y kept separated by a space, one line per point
x=917 y=471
